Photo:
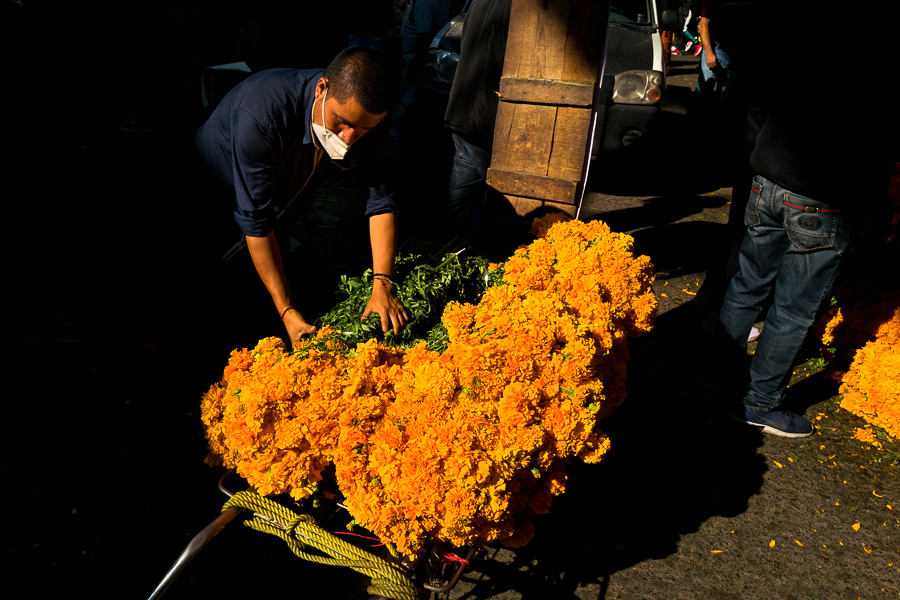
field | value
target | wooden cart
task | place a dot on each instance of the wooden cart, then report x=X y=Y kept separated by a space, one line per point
x=555 y=55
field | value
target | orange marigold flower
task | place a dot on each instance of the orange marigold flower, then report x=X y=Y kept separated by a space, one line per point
x=462 y=445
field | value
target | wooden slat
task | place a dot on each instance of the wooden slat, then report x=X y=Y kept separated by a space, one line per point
x=570 y=137
x=583 y=45
x=500 y=156
x=535 y=46
x=547 y=91
x=543 y=120
x=524 y=207
x=532 y=186
x=522 y=19
x=523 y=137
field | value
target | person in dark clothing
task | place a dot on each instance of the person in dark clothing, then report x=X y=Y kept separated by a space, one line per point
x=715 y=66
x=818 y=167
x=472 y=110
x=423 y=19
x=266 y=140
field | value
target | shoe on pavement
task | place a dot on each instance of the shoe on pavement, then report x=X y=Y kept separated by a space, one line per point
x=698 y=49
x=675 y=50
x=783 y=423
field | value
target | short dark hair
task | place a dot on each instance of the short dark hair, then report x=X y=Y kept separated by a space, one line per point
x=364 y=74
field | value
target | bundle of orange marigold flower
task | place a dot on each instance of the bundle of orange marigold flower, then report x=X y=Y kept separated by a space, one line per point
x=867 y=334
x=461 y=446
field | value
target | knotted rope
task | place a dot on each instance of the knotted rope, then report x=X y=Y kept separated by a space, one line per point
x=300 y=532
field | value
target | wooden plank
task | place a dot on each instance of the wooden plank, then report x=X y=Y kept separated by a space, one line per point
x=523 y=137
x=532 y=186
x=500 y=156
x=522 y=20
x=583 y=45
x=547 y=88
x=570 y=138
x=569 y=209
x=525 y=207
x=535 y=46
x=549 y=52
x=547 y=91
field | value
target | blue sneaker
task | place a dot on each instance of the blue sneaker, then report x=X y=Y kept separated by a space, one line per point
x=777 y=422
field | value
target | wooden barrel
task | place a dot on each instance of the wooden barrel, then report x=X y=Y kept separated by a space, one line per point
x=544 y=120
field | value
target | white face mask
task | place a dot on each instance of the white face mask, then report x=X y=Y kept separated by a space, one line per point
x=333 y=145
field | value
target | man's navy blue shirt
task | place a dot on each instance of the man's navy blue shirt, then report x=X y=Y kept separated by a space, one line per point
x=258 y=143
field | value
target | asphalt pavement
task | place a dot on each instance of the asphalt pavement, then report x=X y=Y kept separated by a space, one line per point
x=118 y=331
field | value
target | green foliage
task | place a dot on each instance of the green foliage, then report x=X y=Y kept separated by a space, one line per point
x=424 y=285
x=814 y=365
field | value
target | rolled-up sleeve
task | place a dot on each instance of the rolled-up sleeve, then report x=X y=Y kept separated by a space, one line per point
x=252 y=165
x=380 y=201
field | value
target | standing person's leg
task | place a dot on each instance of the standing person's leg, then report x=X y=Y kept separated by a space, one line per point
x=466 y=189
x=802 y=242
x=820 y=239
x=724 y=69
x=765 y=242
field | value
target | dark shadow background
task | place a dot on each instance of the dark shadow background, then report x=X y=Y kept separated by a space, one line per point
x=118 y=325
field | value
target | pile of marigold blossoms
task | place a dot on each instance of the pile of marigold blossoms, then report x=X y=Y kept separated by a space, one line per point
x=461 y=446
x=867 y=336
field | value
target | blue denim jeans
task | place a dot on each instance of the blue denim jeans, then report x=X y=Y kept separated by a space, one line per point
x=466 y=189
x=706 y=82
x=793 y=247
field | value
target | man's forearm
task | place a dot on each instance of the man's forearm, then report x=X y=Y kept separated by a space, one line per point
x=267 y=260
x=383 y=237
x=384 y=301
x=709 y=53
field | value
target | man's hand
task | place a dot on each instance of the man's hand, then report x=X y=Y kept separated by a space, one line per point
x=384 y=301
x=296 y=325
x=267 y=260
x=389 y=308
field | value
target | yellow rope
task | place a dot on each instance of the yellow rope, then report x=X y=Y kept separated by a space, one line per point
x=301 y=532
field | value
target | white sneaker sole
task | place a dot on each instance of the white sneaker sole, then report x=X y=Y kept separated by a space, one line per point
x=771 y=430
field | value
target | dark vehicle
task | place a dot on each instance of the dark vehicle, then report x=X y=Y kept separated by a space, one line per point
x=633 y=81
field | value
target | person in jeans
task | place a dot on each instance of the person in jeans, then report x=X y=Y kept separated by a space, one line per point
x=715 y=66
x=472 y=111
x=794 y=248
x=819 y=164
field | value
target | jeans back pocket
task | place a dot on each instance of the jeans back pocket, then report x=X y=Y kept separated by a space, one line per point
x=810 y=225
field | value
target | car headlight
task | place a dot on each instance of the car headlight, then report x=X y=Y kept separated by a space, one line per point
x=638 y=87
x=440 y=65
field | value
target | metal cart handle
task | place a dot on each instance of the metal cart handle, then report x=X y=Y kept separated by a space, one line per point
x=198 y=542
